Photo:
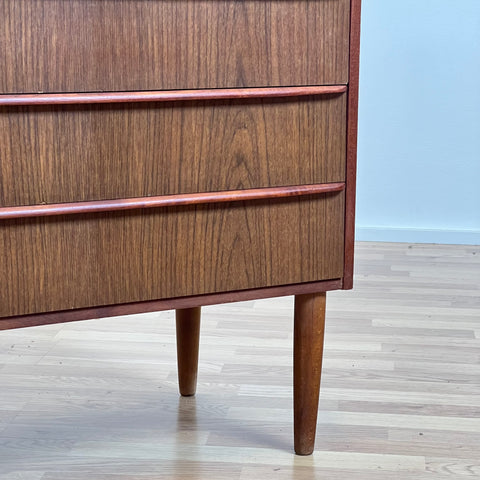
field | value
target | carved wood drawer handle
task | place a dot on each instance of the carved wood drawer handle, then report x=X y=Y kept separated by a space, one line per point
x=167 y=200
x=167 y=95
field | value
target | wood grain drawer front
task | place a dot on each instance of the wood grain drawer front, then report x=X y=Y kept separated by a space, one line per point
x=117 y=45
x=54 y=154
x=57 y=263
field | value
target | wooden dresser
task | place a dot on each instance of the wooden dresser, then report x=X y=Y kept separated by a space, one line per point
x=169 y=154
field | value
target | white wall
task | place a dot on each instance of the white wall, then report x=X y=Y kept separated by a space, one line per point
x=419 y=122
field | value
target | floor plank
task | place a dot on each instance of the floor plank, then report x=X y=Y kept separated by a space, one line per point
x=400 y=391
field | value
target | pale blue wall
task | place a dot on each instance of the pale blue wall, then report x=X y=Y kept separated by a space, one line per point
x=419 y=122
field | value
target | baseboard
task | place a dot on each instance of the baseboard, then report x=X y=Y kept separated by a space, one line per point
x=417 y=235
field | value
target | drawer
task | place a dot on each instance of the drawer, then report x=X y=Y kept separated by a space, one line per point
x=69 y=153
x=121 y=45
x=58 y=263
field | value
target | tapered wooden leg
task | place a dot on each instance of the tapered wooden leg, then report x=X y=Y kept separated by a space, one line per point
x=307 y=368
x=188 y=336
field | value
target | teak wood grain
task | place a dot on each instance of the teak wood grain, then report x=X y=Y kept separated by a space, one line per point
x=61 y=263
x=146 y=163
x=107 y=45
x=67 y=153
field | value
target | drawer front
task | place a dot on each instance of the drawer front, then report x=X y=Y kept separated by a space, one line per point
x=120 y=45
x=58 y=263
x=55 y=154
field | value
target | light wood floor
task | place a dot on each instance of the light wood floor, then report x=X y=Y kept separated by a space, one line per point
x=400 y=395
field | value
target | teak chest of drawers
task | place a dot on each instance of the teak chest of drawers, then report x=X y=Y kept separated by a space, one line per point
x=169 y=154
